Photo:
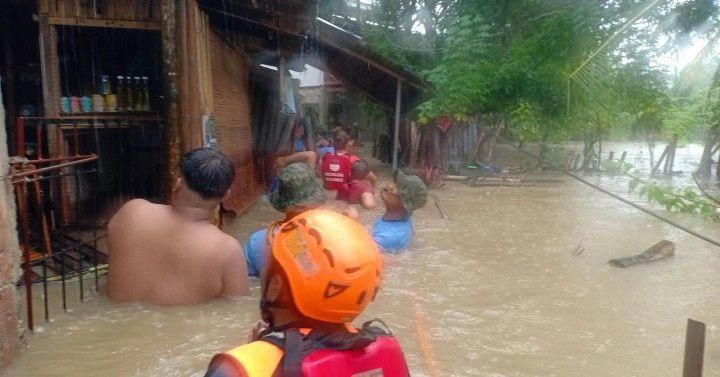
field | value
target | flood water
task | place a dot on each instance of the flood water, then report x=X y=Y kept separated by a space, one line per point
x=495 y=290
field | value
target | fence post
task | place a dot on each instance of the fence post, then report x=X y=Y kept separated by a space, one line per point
x=694 y=349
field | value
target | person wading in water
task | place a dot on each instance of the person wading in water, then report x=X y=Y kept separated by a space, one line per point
x=323 y=270
x=173 y=254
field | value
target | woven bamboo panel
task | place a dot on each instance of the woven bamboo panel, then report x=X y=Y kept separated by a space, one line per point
x=231 y=109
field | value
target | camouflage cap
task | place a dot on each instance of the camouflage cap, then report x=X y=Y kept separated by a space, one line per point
x=412 y=190
x=296 y=189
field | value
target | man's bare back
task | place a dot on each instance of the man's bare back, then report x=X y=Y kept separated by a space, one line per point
x=159 y=255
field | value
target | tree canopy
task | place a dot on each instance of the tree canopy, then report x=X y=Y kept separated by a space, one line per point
x=551 y=67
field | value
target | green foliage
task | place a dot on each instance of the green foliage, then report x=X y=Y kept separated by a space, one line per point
x=674 y=200
x=372 y=109
x=551 y=69
x=713 y=101
x=524 y=123
x=462 y=76
x=685 y=117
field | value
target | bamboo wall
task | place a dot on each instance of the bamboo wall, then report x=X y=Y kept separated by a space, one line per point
x=231 y=110
x=448 y=150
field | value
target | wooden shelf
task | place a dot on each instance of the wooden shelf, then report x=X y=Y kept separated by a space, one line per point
x=134 y=115
x=114 y=24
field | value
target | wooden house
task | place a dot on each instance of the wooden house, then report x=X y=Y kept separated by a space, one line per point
x=206 y=63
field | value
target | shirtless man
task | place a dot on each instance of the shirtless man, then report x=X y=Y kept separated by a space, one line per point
x=172 y=254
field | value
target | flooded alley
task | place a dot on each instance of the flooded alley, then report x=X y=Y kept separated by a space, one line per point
x=495 y=290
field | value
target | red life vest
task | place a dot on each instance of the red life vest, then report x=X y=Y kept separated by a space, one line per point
x=372 y=352
x=383 y=357
x=336 y=171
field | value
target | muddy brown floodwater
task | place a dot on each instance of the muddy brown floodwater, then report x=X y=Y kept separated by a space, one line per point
x=495 y=290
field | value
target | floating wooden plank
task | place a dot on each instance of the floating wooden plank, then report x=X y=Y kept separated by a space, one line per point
x=661 y=250
x=694 y=349
x=92 y=22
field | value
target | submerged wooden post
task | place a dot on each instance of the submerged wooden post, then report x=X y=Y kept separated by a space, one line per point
x=708 y=151
x=694 y=349
x=670 y=161
x=622 y=158
x=611 y=156
x=396 y=131
x=170 y=74
x=660 y=160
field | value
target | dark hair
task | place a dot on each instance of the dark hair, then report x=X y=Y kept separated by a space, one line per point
x=360 y=169
x=341 y=140
x=207 y=172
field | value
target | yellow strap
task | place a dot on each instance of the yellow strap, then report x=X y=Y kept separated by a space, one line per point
x=259 y=359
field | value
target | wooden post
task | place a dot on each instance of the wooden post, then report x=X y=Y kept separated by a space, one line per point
x=670 y=159
x=611 y=156
x=622 y=158
x=170 y=73
x=10 y=257
x=396 y=133
x=705 y=164
x=659 y=161
x=9 y=76
x=599 y=151
x=694 y=349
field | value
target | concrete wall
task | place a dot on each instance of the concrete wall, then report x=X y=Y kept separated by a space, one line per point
x=9 y=257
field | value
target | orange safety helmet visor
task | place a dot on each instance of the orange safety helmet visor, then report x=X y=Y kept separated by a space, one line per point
x=331 y=263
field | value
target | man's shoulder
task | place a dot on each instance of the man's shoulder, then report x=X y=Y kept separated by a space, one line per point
x=132 y=210
x=225 y=241
x=140 y=205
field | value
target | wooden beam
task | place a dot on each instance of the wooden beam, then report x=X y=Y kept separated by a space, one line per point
x=396 y=133
x=694 y=349
x=117 y=24
x=170 y=74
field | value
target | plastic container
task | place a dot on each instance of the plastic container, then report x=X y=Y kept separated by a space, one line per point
x=110 y=103
x=98 y=103
x=75 y=104
x=86 y=104
x=65 y=105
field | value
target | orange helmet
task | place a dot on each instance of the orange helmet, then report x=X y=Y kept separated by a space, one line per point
x=331 y=263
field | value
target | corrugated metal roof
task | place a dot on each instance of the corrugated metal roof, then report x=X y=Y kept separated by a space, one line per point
x=288 y=26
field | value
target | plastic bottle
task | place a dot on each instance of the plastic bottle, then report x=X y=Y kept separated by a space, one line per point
x=129 y=94
x=137 y=94
x=105 y=87
x=145 y=94
x=121 y=96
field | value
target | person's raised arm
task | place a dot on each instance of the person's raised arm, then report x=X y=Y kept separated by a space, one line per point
x=372 y=178
x=367 y=199
x=307 y=157
x=234 y=273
